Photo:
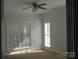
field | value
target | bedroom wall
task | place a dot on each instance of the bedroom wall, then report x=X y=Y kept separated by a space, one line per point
x=57 y=19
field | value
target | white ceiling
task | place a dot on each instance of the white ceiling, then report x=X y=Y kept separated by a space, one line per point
x=17 y=5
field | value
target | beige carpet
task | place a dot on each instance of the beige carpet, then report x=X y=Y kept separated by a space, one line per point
x=35 y=55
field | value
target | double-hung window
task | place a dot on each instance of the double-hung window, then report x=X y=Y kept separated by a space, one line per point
x=47 y=34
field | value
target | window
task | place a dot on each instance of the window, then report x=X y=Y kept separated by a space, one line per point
x=47 y=34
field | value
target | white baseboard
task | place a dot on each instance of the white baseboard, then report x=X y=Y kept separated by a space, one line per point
x=55 y=51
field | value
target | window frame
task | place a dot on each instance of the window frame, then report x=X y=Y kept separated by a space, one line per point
x=47 y=35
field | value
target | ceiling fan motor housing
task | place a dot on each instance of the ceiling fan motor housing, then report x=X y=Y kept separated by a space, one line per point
x=35 y=5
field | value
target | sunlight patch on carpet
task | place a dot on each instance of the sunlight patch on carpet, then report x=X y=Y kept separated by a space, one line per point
x=25 y=51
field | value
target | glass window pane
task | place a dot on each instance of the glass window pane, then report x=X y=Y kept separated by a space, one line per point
x=47 y=35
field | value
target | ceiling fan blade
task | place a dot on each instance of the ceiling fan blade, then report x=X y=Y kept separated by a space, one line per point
x=42 y=8
x=26 y=8
x=42 y=4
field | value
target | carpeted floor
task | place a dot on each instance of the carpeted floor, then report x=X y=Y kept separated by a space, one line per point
x=35 y=55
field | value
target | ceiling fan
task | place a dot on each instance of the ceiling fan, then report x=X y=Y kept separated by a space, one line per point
x=35 y=5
